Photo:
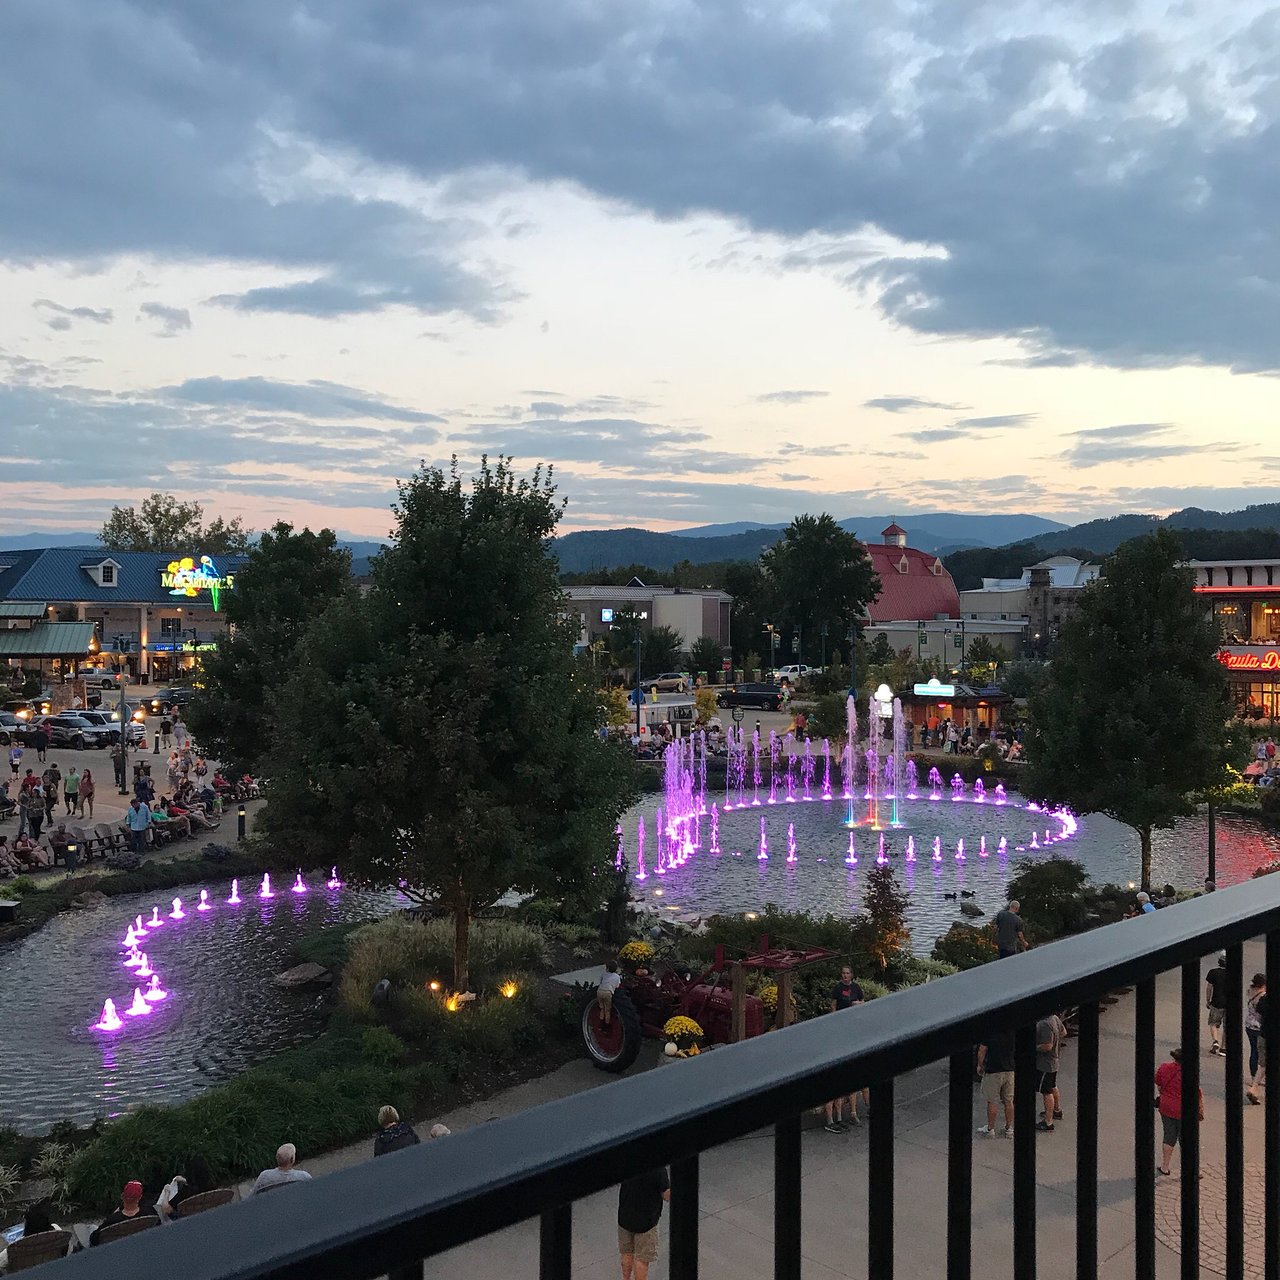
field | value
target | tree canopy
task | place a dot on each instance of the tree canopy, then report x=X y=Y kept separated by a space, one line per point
x=818 y=573
x=163 y=523
x=440 y=734
x=287 y=581
x=1131 y=716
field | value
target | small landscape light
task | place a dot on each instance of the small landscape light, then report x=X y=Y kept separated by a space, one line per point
x=508 y=989
x=433 y=985
x=453 y=1002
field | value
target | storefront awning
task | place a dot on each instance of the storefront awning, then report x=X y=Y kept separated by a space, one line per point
x=48 y=640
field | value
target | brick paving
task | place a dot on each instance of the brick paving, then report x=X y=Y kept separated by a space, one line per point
x=1213 y=1217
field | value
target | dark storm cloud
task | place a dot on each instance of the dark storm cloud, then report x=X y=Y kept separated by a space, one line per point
x=1090 y=187
x=904 y=404
x=790 y=397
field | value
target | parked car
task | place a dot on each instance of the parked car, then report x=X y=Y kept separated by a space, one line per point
x=768 y=697
x=27 y=709
x=794 y=673
x=110 y=720
x=166 y=698
x=97 y=677
x=11 y=727
x=71 y=729
x=668 y=682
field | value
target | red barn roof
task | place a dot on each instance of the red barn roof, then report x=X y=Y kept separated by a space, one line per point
x=913 y=585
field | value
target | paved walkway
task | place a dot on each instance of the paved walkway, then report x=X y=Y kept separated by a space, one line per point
x=737 y=1199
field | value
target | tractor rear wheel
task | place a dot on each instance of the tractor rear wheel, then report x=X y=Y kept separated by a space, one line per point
x=613 y=1047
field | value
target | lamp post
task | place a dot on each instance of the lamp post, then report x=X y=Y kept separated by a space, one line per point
x=772 y=631
x=639 y=695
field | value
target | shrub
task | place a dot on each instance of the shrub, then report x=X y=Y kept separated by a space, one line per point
x=966 y=947
x=872 y=989
x=1269 y=802
x=915 y=971
x=327 y=946
x=886 y=908
x=382 y=1047
x=22 y=885
x=828 y=717
x=1053 y=896
x=410 y=953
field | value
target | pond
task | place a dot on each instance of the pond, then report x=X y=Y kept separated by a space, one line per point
x=819 y=876
x=223 y=1013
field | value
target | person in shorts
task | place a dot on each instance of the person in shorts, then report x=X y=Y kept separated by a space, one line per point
x=995 y=1068
x=640 y=1201
x=609 y=983
x=1215 y=1000
x=1051 y=1032
x=846 y=994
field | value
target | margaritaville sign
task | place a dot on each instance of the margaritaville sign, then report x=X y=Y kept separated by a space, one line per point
x=190 y=576
x=1250 y=659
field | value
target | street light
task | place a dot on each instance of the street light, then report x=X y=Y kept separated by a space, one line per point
x=772 y=631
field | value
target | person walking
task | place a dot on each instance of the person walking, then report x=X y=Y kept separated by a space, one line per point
x=118 y=764
x=1260 y=1009
x=15 y=757
x=1253 y=1028
x=640 y=1201
x=1051 y=1033
x=71 y=790
x=52 y=782
x=1169 y=1083
x=996 y=1071
x=846 y=994
x=1215 y=1000
x=87 y=789
x=40 y=740
x=1010 y=935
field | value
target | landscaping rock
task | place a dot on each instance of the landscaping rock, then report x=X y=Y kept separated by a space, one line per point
x=91 y=898
x=216 y=852
x=972 y=909
x=304 y=975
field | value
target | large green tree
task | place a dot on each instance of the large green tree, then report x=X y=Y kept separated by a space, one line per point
x=164 y=523
x=440 y=735
x=287 y=581
x=1132 y=715
x=818 y=573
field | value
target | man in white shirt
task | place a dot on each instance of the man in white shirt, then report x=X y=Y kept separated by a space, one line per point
x=284 y=1172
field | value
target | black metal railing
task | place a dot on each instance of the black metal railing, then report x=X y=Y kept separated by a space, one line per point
x=389 y=1214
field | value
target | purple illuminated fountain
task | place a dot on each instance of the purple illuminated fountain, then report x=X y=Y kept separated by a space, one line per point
x=659 y=837
x=715 y=832
x=155 y=922
x=333 y=882
x=806 y=770
x=298 y=886
x=1001 y=798
x=957 y=787
x=110 y=1019
x=139 y=1008
x=852 y=856
x=266 y=891
x=826 y=768
x=881 y=856
x=935 y=784
x=913 y=780
x=911 y=848
x=205 y=905
x=789 y=746
x=755 y=767
x=155 y=992
x=979 y=791
x=640 y=872
x=177 y=913
x=144 y=970
x=791 y=842
x=235 y=893
x=773 y=766
x=764 y=842
x=960 y=849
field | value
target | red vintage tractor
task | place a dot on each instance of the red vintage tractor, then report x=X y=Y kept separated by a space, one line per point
x=717 y=1001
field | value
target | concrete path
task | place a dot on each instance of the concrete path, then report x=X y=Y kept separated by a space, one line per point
x=737 y=1199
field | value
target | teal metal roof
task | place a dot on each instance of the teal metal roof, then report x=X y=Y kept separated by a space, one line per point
x=22 y=608
x=48 y=640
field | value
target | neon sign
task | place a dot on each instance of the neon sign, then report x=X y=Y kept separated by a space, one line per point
x=1246 y=660
x=188 y=577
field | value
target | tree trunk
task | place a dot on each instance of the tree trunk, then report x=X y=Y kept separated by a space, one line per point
x=1144 y=834
x=461 y=943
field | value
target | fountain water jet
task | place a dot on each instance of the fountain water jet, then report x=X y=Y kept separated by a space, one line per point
x=911 y=848
x=935 y=784
x=145 y=970
x=298 y=886
x=177 y=913
x=155 y=922
x=134 y=959
x=852 y=856
x=110 y=1019
x=1000 y=795
x=881 y=857
x=960 y=850
x=155 y=991
x=791 y=842
x=333 y=882
x=937 y=848
x=139 y=1008
x=235 y=893
x=204 y=901
x=764 y=843
x=265 y=891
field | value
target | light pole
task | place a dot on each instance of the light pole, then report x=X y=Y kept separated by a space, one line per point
x=772 y=632
x=826 y=630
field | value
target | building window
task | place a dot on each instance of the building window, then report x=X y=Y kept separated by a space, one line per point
x=108 y=572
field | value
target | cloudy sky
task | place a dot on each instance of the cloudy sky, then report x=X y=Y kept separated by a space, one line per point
x=714 y=260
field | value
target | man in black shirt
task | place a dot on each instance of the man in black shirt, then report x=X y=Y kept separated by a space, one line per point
x=1215 y=999
x=845 y=995
x=640 y=1202
x=130 y=1208
x=995 y=1066
x=1010 y=938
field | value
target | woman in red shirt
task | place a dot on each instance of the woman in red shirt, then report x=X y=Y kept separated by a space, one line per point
x=1169 y=1082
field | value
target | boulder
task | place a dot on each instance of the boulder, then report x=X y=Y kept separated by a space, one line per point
x=972 y=909
x=304 y=975
x=90 y=898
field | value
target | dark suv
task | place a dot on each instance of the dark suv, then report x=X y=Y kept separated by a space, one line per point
x=69 y=729
x=768 y=697
x=166 y=698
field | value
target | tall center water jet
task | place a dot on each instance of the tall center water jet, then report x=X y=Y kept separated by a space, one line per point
x=899 y=758
x=110 y=1019
x=235 y=893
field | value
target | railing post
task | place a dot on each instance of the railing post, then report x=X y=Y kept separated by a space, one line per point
x=880 y=1183
x=684 y=1219
x=960 y=1167
x=1234 y=1034
x=1087 y=1144
x=555 y=1254
x=1144 y=1131
x=786 y=1196
x=1271 y=1117
x=1189 y=1138
x=1024 y=1154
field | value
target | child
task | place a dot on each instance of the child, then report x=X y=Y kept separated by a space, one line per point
x=609 y=983
x=15 y=756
